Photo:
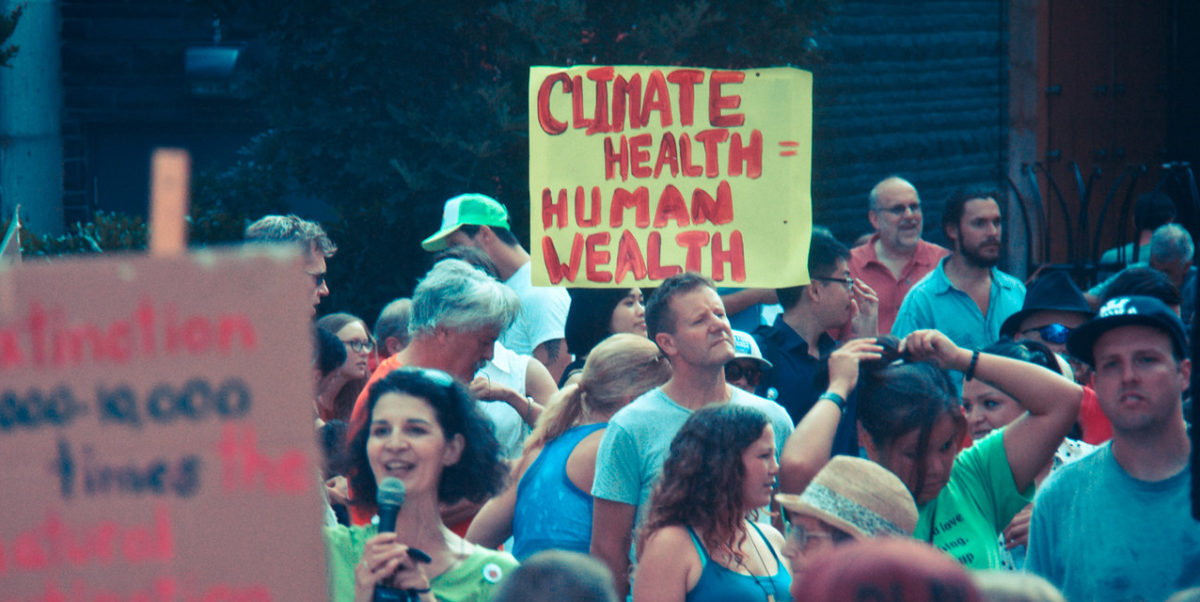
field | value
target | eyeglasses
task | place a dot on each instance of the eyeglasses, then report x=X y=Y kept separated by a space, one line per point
x=318 y=279
x=360 y=345
x=849 y=282
x=734 y=370
x=900 y=210
x=802 y=536
x=1051 y=333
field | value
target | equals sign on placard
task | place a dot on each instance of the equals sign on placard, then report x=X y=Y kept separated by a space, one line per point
x=789 y=149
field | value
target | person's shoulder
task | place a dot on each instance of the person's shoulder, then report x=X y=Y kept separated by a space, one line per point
x=1007 y=280
x=1072 y=476
x=931 y=250
x=350 y=538
x=484 y=556
x=670 y=537
x=864 y=253
x=771 y=408
x=929 y=284
x=483 y=567
x=649 y=403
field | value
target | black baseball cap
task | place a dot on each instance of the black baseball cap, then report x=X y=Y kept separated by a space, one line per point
x=1133 y=310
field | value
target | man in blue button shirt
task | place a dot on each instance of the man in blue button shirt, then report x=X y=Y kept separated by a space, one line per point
x=966 y=297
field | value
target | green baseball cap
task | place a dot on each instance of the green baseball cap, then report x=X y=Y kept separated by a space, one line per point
x=467 y=210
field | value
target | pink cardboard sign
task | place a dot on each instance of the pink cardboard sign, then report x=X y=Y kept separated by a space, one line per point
x=156 y=430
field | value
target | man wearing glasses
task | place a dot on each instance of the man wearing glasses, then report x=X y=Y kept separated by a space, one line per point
x=798 y=345
x=895 y=257
x=310 y=236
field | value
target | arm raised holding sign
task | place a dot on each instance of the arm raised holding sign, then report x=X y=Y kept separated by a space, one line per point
x=423 y=429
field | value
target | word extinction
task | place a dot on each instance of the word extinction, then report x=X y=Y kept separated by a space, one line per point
x=45 y=337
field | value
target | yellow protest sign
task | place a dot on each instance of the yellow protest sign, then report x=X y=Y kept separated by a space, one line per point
x=638 y=173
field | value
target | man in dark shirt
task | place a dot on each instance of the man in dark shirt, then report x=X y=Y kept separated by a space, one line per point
x=828 y=302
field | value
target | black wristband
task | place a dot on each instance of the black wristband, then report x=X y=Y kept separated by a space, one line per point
x=835 y=398
x=970 y=373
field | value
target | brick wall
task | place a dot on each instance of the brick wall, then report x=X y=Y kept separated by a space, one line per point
x=912 y=88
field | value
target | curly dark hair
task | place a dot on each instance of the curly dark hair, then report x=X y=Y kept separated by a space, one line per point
x=701 y=482
x=479 y=473
x=896 y=397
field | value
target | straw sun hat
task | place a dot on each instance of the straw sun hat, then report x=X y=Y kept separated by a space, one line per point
x=857 y=496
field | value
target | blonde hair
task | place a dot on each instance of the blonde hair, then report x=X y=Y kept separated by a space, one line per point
x=619 y=369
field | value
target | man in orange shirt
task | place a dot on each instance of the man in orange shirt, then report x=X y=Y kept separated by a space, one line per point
x=895 y=257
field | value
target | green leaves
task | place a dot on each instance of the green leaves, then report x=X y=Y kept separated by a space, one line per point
x=8 y=24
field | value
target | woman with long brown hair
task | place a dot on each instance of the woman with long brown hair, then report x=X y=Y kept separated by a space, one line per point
x=698 y=542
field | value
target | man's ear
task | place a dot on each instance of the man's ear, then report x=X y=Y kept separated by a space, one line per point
x=812 y=291
x=951 y=234
x=1185 y=370
x=394 y=345
x=873 y=217
x=666 y=342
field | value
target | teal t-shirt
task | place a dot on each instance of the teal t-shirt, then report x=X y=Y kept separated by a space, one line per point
x=472 y=580
x=976 y=504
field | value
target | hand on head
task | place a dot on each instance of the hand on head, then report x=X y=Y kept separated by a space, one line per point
x=844 y=363
x=932 y=345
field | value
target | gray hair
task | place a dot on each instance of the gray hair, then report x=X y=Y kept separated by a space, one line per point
x=1171 y=244
x=393 y=321
x=290 y=228
x=456 y=296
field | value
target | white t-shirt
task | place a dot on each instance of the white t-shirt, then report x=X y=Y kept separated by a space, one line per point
x=543 y=314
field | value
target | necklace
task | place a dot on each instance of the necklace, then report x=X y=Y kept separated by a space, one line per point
x=771 y=595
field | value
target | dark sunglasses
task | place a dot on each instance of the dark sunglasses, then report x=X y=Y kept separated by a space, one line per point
x=318 y=279
x=1051 y=333
x=735 y=371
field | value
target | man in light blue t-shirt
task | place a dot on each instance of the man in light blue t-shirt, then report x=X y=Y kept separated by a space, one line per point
x=686 y=318
x=1115 y=525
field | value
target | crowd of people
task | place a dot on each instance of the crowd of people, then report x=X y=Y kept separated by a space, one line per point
x=912 y=424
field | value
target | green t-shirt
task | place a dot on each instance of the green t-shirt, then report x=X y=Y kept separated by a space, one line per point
x=472 y=580
x=975 y=505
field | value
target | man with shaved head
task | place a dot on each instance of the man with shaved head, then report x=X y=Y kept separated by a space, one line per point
x=895 y=257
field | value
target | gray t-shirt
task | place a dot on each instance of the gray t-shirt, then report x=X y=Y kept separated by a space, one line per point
x=638 y=438
x=1100 y=534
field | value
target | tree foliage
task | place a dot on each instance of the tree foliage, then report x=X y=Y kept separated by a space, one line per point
x=385 y=108
x=8 y=24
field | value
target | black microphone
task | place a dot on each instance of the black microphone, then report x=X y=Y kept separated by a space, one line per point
x=389 y=498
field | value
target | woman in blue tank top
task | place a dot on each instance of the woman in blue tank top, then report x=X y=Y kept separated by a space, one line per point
x=697 y=543
x=548 y=503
